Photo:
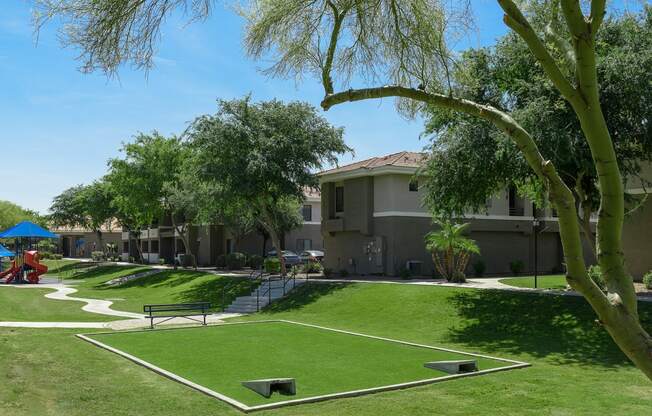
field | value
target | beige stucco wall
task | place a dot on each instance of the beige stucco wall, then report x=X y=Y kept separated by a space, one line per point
x=402 y=239
x=392 y=193
x=637 y=240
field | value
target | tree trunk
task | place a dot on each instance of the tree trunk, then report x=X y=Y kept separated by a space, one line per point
x=183 y=232
x=99 y=239
x=276 y=242
x=139 y=249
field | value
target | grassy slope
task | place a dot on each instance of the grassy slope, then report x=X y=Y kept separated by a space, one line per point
x=577 y=369
x=166 y=287
x=31 y=305
x=322 y=362
x=543 y=282
x=60 y=267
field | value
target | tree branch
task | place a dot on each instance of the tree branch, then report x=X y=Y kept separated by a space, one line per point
x=338 y=17
x=575 y=19
x=597 y=15
x=515 y=20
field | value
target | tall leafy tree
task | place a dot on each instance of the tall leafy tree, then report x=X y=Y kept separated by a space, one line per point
x=85 y=206
x=470 y=160
x=141 y=182
x=11 y=214
x=67 y=208
x=261 y=156
x=399 y=49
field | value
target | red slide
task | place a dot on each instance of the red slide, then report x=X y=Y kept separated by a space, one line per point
x=11 y=273
x=31 y=259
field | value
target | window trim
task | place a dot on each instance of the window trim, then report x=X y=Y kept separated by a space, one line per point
x=339 y=208
x=306 y=218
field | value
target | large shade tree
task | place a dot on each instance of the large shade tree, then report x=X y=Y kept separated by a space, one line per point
x=86 y=206
x=145 y=185
x=399 y=49
x=260 y=157
x=11 y=214
x=470 y=160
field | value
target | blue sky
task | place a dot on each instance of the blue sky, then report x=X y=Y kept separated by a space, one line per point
x=59 y=127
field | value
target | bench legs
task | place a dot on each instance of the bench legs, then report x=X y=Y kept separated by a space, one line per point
x=151 y=319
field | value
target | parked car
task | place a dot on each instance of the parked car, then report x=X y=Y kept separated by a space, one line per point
x=312 y=255
x=291 y=258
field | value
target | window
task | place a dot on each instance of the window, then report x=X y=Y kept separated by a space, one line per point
x=154 y=246
x=125 y=247
x=145 y=246
x=307 y=212
x=229 y=246
x=339 y=199
x=414 y=186
x=304 y=244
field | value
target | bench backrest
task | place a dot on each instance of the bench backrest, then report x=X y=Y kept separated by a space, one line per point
x=177 y=307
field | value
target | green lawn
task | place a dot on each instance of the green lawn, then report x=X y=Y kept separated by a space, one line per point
x=321 y=361
x=31 y=305
x=172 y=286
x=543 y=282
x=576 y=369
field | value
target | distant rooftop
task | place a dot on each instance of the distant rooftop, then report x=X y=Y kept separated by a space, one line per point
x=400 y=159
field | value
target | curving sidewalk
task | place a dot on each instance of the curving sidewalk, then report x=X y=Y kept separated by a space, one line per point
x=102 y=307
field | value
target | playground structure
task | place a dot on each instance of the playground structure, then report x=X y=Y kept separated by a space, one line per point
x=25 y=267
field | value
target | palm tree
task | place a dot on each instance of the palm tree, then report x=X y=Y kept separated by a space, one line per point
x=451 y=249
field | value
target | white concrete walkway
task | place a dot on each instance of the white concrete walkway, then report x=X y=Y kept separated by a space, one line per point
x=61 y=292
x=102 y=307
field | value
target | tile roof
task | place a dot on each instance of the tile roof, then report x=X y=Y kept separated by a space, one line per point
x=401 y=159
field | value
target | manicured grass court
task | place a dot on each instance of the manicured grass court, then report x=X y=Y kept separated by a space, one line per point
x=322 y=361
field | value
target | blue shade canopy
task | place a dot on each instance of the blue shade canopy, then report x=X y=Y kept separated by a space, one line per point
x=27 y=229
x=5 y=253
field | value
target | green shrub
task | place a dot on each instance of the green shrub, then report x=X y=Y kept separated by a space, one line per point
x=312 y=267
x=44 y=255
x=57 y=256
x=595 y=274
x=647 y=280
x=161 y=262
x=327 y=272
x=479 y=267
x=255 y=261
x=404 y=273
x=272 y=265
x=235 y=261
x=221 y=260
x=344 y=273
x=516 y=266
x=98 y=256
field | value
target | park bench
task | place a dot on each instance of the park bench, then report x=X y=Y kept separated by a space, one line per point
x=177 y=310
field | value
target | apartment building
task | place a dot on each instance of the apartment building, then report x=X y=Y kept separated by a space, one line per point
x=162 y=242
x=374 y=222
x=77 y=242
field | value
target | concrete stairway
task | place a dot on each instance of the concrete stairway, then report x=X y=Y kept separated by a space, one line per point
x=249 y=304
